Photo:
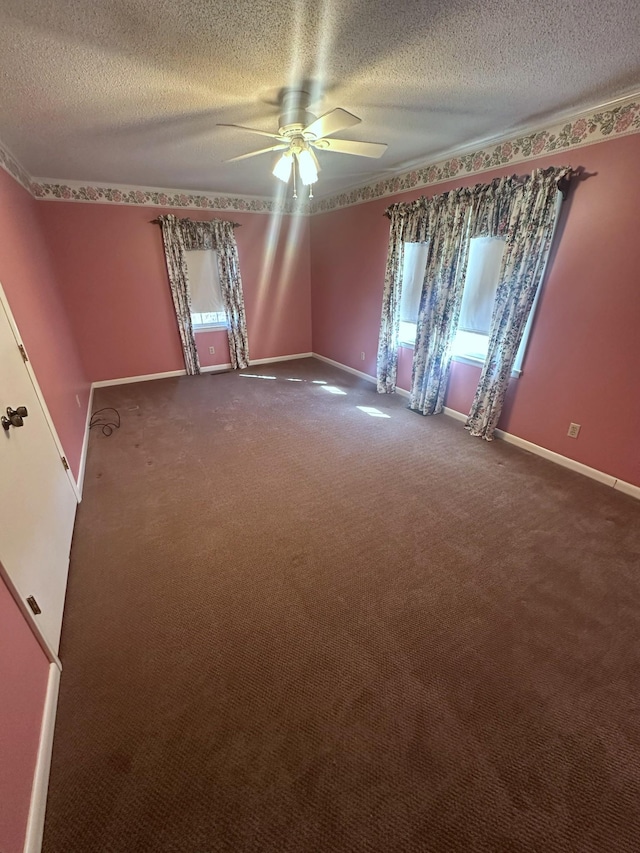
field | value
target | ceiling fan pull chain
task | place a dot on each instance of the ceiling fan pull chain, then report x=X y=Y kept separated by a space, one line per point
x=295 y=191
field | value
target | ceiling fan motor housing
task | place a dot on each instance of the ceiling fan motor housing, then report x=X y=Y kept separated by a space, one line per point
x=294 y=117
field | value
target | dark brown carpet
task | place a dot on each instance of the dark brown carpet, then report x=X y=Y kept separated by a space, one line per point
x=295 y=627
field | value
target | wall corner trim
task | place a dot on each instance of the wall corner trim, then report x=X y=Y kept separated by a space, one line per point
x=35 y=822
x=85 y=445
x=523 y=444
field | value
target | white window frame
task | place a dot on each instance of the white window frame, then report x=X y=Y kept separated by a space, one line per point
x=207 y=327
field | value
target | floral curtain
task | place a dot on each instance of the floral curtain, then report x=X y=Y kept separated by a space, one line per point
x=448 y=231
x=453 y=219
x=387 y=363
x=532 y=214
x=523 y=211
x=174 y=249
x=408 y=225
x=182 y=235
x=218 y=234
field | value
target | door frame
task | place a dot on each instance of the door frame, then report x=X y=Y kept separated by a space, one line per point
x=24 y=608
x=4 y=302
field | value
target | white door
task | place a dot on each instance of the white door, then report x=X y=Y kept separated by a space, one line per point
x=38 y=503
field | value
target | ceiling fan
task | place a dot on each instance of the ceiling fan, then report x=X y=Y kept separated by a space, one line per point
x=300 y=132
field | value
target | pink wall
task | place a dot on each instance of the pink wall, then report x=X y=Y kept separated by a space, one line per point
x=33 y=293
x=584 y=350
x=98 y=281
x=110 y=262
x=24 y=671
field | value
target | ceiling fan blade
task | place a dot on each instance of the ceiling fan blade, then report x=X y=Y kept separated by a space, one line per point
x=332 y=122
x=252 y=130
x=350 y=146
x=280 y=147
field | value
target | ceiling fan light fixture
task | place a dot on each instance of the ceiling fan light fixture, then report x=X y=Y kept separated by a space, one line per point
x=283 y=166
x=307 y=167
x=300 y=134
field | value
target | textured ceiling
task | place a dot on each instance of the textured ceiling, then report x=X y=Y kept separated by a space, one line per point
x=128 y=91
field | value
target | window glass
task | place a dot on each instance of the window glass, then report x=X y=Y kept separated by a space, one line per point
x=207 y=307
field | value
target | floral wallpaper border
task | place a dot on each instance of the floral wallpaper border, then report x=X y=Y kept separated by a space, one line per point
x=619 y=119
x=587 y=129
x=148 y=197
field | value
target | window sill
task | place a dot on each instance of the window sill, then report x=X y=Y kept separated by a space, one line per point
x=475 y=361
x=479 y=362
x=465 y=359
x=210 y=327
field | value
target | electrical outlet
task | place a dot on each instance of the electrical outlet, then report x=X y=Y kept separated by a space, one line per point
x=212 y=350
x=361 y=356
x=573 y=431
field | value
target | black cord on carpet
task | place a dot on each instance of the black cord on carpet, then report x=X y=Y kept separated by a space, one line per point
x=107 y=422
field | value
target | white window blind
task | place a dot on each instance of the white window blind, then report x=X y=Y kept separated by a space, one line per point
x=415 y=263
x=413 y=269
x=207 y=307
x=481 y=284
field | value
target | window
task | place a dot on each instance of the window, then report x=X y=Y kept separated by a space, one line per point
x=481 y=283
x=207 y=307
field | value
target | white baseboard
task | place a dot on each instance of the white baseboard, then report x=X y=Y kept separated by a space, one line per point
x=280 y=358
x=452 y=413
x=146 y=377
x=564 y=461
x=627 y=488
x=346 y=368
x=35 y=822
x=558 y=458
x=367 y=376
x=211 y=368
x=215 y=368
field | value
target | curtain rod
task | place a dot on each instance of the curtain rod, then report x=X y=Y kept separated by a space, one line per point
x=563 y=184
x=235 y=224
